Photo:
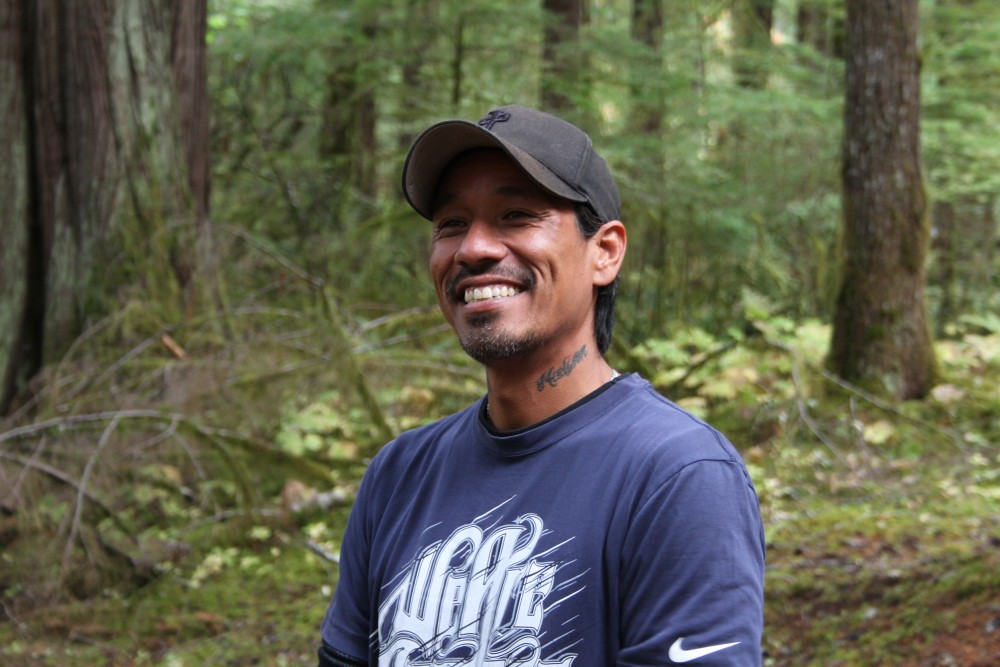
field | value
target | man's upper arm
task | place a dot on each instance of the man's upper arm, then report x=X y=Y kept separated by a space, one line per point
x=693 y=571
x=347 y=624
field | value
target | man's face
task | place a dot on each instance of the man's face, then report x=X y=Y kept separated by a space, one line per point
x=512 y=272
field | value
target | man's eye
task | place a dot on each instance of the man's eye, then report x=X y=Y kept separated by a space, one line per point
x=449 y=225
x=517 y=215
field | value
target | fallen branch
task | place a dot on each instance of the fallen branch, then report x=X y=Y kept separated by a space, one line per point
x=81 y=495
x=807 y=418
x=870 y=398
x=322 y=553
x=62 y=477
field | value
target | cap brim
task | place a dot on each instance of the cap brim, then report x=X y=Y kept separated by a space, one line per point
x=439 y=144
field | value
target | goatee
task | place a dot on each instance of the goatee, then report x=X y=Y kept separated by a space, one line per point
x=485 y=342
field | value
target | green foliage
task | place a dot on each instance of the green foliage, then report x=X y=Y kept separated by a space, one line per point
x=198 y=535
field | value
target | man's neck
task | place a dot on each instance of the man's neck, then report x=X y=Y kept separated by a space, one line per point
x=526 y=391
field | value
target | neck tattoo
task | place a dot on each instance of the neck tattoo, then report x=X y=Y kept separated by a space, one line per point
x=551 y=377
x=614 y=374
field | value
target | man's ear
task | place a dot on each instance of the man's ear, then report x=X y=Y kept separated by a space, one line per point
x=609 y=241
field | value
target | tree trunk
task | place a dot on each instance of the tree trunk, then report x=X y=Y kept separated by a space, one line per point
x=648 y=104
x=880 y=335
x=752 y=22
x=347 y=142
x=17 y=362
x=114 y=183
x=817 y=26
x=560 y=55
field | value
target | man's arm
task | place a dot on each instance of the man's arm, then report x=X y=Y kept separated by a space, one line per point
x=694 y=572
x=345 y=628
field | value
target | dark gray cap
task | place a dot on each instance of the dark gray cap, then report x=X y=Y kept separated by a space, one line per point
x=557 y=155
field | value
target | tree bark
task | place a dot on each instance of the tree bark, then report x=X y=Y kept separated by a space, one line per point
x=816 y=26
x=560 y=55
x=753 y=20
x=15 y=249
x=348 y=144
x=648 y=104
x=880 y=335
x=113 y=181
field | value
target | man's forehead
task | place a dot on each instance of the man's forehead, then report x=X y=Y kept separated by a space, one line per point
x=506 y=178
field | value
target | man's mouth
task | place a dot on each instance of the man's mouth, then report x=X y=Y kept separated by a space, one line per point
x=474 y=294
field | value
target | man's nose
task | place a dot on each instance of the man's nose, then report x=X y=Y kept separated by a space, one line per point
x=482 y=242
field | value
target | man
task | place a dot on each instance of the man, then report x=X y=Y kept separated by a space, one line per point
x=572 y=516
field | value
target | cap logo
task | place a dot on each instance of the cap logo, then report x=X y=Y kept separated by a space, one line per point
x=492 y=118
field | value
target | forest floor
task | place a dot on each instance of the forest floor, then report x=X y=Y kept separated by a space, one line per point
x=907 y=574
x=883 y=538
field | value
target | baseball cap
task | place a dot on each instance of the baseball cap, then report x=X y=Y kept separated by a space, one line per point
x=556 y=154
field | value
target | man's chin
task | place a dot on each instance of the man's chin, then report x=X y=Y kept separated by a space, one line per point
x=486 y=347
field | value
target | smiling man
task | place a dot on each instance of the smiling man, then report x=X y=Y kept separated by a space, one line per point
x=572 y=516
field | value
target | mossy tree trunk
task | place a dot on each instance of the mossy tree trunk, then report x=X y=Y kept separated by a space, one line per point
x=820 y=24
x=880 y=336
x=107 y=140
x=561 y=56
x=17 y=355
x=347 y=138
x=648 y=101
x=752 y=24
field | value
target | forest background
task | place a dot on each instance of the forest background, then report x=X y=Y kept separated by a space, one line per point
x=214 y=305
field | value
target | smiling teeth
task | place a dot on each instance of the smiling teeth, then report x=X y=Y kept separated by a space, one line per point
x=482 y=293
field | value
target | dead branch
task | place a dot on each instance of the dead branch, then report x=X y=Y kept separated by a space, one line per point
x=74 y=420
x=807 y=418
x=302 y=274
x=870 y=398
x=81 y=495
x=322 y=553
x=693 y=368
x=172 y=346
x=63 y=478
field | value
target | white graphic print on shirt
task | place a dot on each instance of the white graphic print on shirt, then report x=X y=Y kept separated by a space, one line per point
x=478 y=597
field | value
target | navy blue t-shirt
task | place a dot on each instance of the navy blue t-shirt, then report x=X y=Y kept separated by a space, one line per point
x=623 y=531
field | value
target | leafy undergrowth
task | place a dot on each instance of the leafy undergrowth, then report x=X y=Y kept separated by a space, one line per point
x=883 y=520
x=254 y=598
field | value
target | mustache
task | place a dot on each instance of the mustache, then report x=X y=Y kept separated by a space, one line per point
x=522 y=277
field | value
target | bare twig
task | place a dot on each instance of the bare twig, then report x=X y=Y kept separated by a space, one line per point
x=82 y=493
x=302 y=274
x=22 y=473
x=870 y=398
x=402 y=338
x=37 y=396
x=62 y=477
x=165 y=434
x=881 y=405
x=693 y=368
x=74 y=420
x=322 y=553
x=18 y=623
x=807 y=419
x=398 y=315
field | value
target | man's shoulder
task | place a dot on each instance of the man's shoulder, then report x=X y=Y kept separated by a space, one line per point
x=651 y=423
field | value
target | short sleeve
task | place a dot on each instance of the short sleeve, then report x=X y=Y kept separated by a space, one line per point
x=692 y=572
x=346 y=626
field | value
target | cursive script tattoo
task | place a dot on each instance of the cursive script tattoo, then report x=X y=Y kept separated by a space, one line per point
x=552 y=376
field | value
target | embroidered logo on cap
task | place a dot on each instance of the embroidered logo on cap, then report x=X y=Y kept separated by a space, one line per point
x=492 y=118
